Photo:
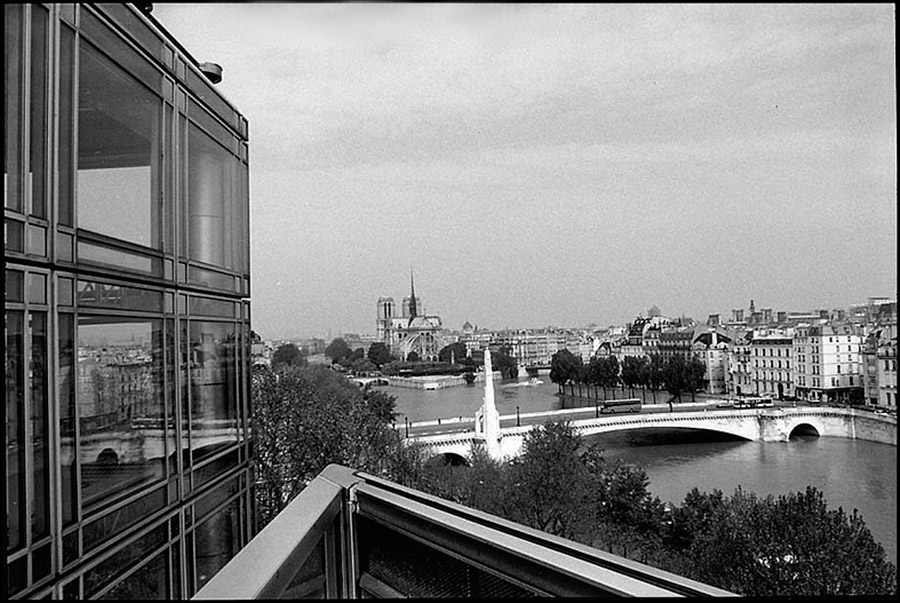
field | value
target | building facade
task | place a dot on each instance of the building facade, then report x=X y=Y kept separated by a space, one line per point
x=826 y=363
x=412 y=331
x=127 y=316
x=771 y=365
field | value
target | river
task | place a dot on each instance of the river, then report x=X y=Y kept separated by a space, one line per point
x=851 y=473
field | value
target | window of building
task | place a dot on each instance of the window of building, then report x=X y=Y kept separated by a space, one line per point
x=118 y=152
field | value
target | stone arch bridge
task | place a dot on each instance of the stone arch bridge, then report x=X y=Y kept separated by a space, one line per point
x=761 y=424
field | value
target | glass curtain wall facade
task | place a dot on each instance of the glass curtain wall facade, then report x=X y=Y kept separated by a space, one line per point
x=127 y=318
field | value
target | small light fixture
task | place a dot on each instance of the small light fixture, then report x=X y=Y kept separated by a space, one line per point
x=213 y=71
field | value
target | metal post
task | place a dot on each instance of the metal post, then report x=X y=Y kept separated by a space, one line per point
x=518 y=423
x=596 y=411
x=407 y=428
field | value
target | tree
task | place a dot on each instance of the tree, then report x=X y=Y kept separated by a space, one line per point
x=379 y=354
x=631 y=372
x=550 y=489
x=655 y=374
x=696 y=376
x=609 y=374
x=289 y=354
x=675 y=375
x=792 y=545
x=307 y=417
x=453 y=353
x=337 y=350
x=504 y=362
x=412 y=356
x=563 y=367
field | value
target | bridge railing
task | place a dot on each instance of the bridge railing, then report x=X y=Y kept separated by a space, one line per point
x=352 y=535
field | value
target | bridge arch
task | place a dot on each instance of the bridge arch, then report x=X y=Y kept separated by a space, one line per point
x=452 y=459
x=803 y=429
x=108 y=458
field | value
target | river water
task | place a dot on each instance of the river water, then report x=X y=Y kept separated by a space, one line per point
x=851 y=473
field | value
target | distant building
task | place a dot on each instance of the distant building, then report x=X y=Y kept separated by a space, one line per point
x=711 y=347
x=771 y=364
x=739 y=368
x=826 y=363
x=410 y=332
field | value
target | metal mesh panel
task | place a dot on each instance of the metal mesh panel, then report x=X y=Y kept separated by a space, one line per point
x=418 y=570
x=309 y=581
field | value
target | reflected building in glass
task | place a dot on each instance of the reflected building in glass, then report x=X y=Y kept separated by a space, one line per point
x=127 y=319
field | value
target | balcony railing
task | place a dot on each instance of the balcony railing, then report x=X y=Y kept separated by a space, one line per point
x=351 y=535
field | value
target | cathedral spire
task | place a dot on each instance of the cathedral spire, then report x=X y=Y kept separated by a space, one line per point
x=412 y=296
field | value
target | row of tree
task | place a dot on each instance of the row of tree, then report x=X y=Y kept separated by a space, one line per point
x=307 y=417
x=676 y=374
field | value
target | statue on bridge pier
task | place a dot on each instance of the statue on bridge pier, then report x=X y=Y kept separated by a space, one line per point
x=487 y=419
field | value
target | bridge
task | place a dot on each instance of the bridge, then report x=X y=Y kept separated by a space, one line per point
x=775 y=424
x=367 y=381
x=765 y=425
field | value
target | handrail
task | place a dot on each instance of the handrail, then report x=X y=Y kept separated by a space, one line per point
x=539 y=562
x=265 y=567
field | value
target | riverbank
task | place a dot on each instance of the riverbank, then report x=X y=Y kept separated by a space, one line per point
x=433 y=382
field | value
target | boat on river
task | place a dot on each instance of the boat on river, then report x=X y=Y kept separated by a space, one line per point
x=533 y=382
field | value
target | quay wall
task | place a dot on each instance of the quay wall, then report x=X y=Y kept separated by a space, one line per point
x=436 y=381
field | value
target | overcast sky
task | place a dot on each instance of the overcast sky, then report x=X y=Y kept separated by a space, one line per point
x=558 y=164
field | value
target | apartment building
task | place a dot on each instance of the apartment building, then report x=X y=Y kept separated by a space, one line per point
x=127 y=318
x=771 y=357
x=826 y=363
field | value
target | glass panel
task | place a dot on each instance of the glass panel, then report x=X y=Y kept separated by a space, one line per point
x=213 y=388
x=41 y=564
x=118 y=152
x=211 y=200
x=36 y=240
x=121 y=560
x=118 y=259
x=211 y=279
x=65 y=292
x=104 y=295
x=172 y=412
x=12 y=191
x=40 y=512
x=185 y=401
x=169 y=181
x=14 y=286
x=38 y=106
x=204 y=306
x=15 y=429
x=37 y=288
x=66 y=181
x=108 y=526
x=16 y=575
x=66 y=381
x=217 y=497
x=14 y=235
x=149 y=582
x=217 y=541
x=120 y=388
x=64 y=246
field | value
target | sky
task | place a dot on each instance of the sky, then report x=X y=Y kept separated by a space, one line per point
x=547 y=164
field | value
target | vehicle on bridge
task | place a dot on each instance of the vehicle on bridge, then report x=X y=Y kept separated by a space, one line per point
x=754 y=402
x=618 y=406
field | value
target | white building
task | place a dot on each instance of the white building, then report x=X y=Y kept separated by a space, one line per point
x=711 y=347
x=771 y=360
x=826 y=365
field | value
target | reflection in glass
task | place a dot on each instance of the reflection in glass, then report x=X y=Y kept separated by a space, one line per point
x=118 y=152
x=15 y=429
x=40 y=436
x=13 y=17
x=149 y=582
x=121 y=406
x=67 y=416
x=38 y=108
x=214 y=202
x=213 y=369
x=217 y=541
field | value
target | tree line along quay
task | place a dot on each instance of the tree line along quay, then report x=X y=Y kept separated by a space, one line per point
x=306 y=417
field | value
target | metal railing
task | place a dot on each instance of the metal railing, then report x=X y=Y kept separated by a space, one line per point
x=351 y=535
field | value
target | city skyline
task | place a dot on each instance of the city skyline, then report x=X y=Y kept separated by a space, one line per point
x=558 y=165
